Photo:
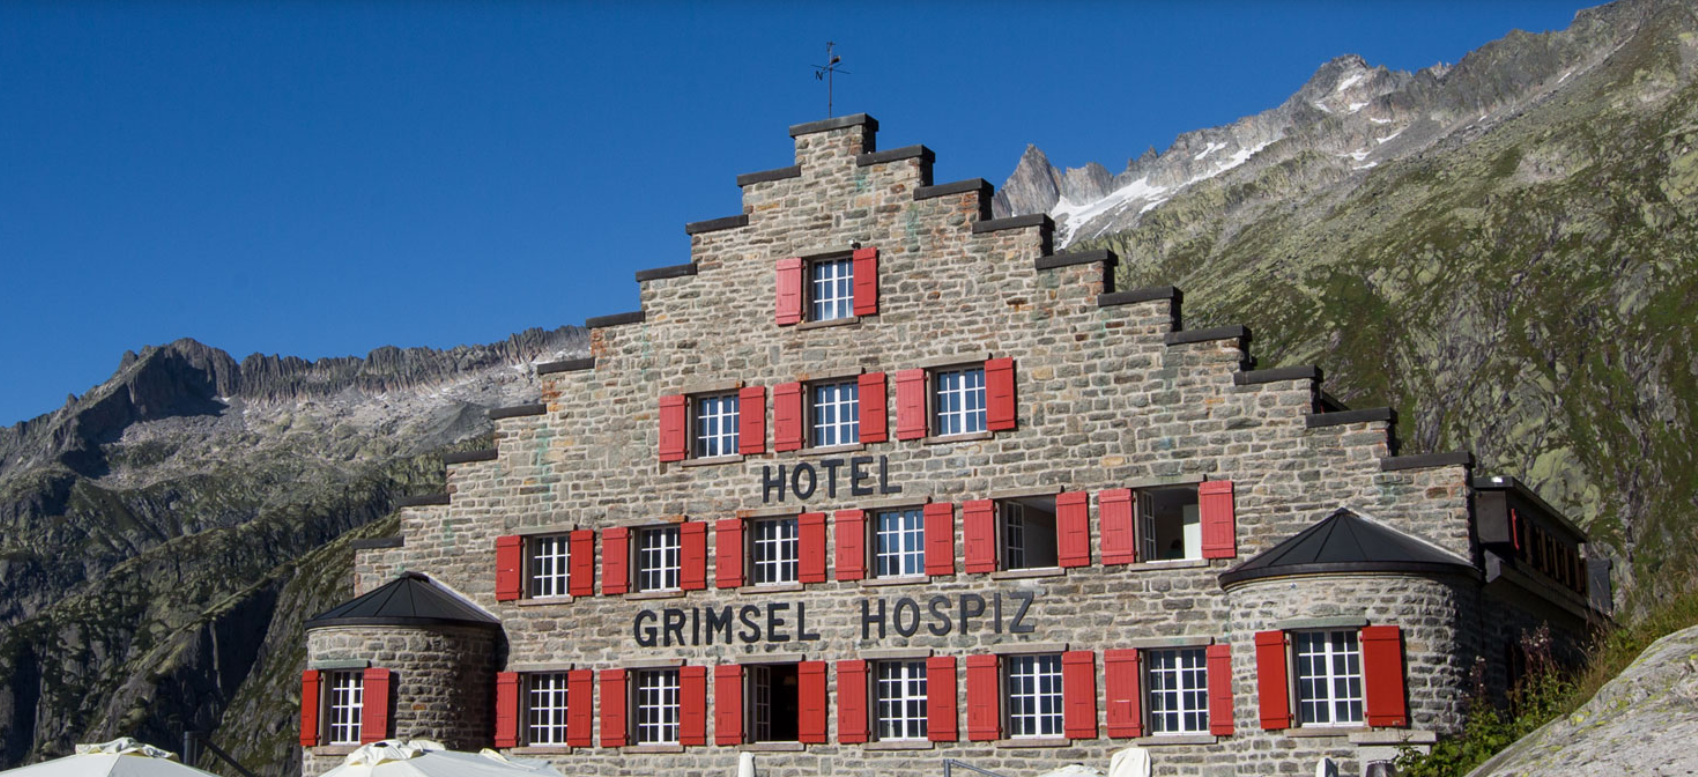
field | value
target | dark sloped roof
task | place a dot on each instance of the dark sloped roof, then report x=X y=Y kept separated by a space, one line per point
x=409 y=600
x=1345 y=543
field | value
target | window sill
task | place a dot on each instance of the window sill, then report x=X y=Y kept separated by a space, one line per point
x=544 y=602
x=882 y=581
x=899 y=744
x=1325 y=731
x=712 y=460
x=634 y=749
x=831 y=449
x=953 y=438
x=334 y=749
x=643 y=595
x=1033 y=742
x=830 y=322
x=1178 y=563
x=775 y=588
x=1018 y=574
x=773 y=747
x=1158 y=740
x=541 y=750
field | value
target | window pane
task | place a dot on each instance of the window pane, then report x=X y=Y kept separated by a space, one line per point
x=657 y=559
x=836 y=414
x=1034 y=695
x=346 y=697
x=774 y=551
x=716 y=426
x=899 y=544
x=831 y=292
x=1178 y=683
x=1329 y=677
x=545 y=708
x=899 y=691
x=657 y=707
x=960 y=401
x=549 y=561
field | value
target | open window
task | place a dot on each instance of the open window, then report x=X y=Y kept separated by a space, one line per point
x=774 y=706
x=1026 y=536
x=1169 y=524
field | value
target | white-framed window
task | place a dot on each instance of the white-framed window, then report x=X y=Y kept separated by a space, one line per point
x=1328 y=671
x=545 y=708
x=831 y=288
x=772 y=550
x=959 y=400
x=1033 y=692
x=899 y=699
x=658 y=558
x=547 y=565
x=1169 y=525
x=346 y=699
x=1027 y=535
x=774 y=702
x=899 y=548
x=656 y=707
x=836 y=414
x=715 y=426
x=1178 y=683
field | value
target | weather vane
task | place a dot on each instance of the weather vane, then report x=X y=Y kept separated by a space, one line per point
x=826 y=72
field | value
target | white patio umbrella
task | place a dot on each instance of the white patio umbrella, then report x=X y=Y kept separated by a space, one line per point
x=1130 y=762
x=424 y=758
x=1073 y=770
x=122 y=757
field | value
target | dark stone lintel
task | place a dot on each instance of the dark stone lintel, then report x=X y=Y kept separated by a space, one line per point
x=568 y=365
x=980 y=185
x=778 y=174
x=673 y=271
x=1234 y=332
x=1147 y=294
x=463 y=457
x=925 y=155
x=1081 y=257
x=378 y=543
x=1013 y=222
x=1275 y=375
x=599 y=322
x=1426 y=460
x=715 y=225
x=516 y=411
x=827 y=125
x=423 y=500
x=1318 y=420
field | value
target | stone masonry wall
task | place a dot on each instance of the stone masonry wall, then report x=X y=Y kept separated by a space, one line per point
x=1104 y=401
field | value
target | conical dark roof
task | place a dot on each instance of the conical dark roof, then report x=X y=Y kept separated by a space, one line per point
x=409 y=600
x=1346 y=543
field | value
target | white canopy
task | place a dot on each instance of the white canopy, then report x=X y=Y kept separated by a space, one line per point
x=122 y=757
x=423 y=758
x=1130 y=762
x=1073 y=770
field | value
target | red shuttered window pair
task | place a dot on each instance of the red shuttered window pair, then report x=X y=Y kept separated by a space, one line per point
x=826 y=288
x=545 y=566
x=989 y=703
x=750 y=424
x=372 y=686
x=1383 y=701
x=953 y=401
x=510 y=710
x=1117 y=515
x=790 y=409
x=997 y=534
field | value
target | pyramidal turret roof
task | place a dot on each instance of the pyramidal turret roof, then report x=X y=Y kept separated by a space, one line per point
x=411 y=599
x=1346 y=543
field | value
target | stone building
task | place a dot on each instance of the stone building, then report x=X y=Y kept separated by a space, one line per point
x=876 y=480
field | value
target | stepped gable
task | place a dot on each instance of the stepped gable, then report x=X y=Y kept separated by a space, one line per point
x=1345 y=543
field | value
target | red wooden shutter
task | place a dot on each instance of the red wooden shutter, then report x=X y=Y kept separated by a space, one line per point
x=509 y=566
x=507 y=709
x=1382 y=675
x=999 y=394
x=692 y=705
x=309 y=708
x=787 y=417
x=1073 y=529
x=1114 y=512
x=728 y=552
x=851 y=544
x=789 y=291
x=940 y=538
x=728 y=704
x=940 y=699
x=751 y=420
x=851 y=702
x=978 y=531
x=374 y=705
x=1124 y=677
x=580 y=708
x=673 y=422
x=811 y=690
x=1220 y=690
x=616 y=560
x=1079 y=694
x=1215 y=513
x=580 y=574
x=984 y=714
x=871 y=399
x=1271 y=688
x=810 y=548
x=692 y=552
x=612 y=708
x=910 y=404
x=866 y=281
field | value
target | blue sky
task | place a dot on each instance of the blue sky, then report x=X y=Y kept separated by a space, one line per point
x=324 y=178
